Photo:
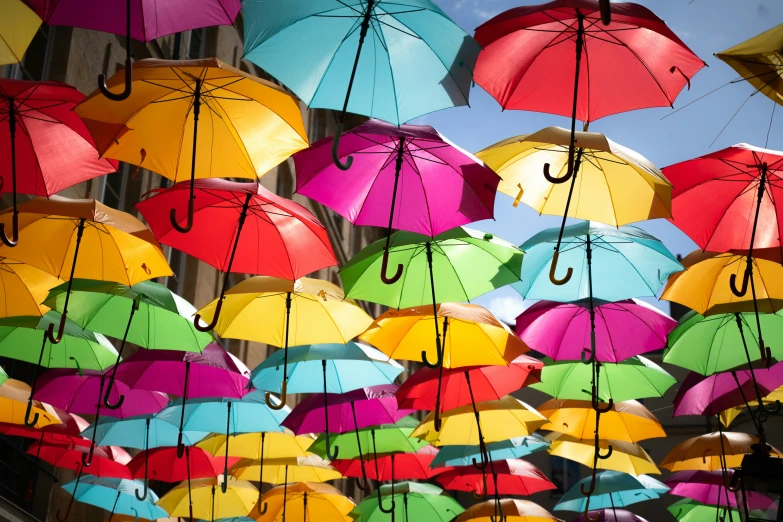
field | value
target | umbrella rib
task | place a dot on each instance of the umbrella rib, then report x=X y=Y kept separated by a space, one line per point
x=382 y=39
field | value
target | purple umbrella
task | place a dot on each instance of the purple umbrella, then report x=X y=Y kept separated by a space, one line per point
x=708 y=487
x=623 y=329
x=81 y=391
x=408 y=178
x=609 y=515
x=699 y=395
x=213 y=373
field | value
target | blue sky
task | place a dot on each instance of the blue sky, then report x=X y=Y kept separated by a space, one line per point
x=707 y=27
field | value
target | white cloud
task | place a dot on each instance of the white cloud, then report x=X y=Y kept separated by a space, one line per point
x=508 y=307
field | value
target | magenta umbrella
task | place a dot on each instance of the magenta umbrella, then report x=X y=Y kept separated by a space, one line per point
x=80 y=391
x=708 y=487
x=213 y=373
x=699 y=395
x=623 y=329
x=408 y=178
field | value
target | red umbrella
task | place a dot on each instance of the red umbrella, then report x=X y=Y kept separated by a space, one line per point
x=241 y=227
x=509 y=477
x=163 y=464
x=44 y=142
x=398 y=466
x=69 y=456
x=70 y=425
x=485 y=383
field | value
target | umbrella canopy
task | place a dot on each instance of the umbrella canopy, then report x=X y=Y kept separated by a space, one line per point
x=612 y=490
x=628 y=421
x=462 y=386
x=71 y=425
x=623 y=329
x=276 y=445
x=728 y=416
x=626 y=457
x=386 y=438
x=237 y=500
x=406 y=178
x=502 y=420
x=515 y=448
x=68 y=455
x=164 y=465
x=513 y=510
x=756 y=61
x=626 y=262
x=17 y=30
x=609 y=515
x=705 y=452
x=15 y=397
x=25 y=287
x=709 y=487
x=708 y=345
x=132 y=433
x=616 y=185
x=414 y=501
x=347 y=366
x=306 y=500
x=687 y=510
x=163 y=319
x=394 y=466
x=115 y=495
x=427 y=59
x=634 y=378
x=457 y=265
x=300 y=469
x=709 y=396
x=508 y=477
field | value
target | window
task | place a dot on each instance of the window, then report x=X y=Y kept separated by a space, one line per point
x=113 y=187
x=197 y=41
x=564 y=474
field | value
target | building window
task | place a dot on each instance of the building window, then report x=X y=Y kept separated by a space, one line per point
x=197 y=42
x=113 y=187
x=564 y=474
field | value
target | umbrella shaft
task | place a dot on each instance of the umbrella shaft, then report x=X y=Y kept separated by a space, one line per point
x=397 y=170
x=242 y=217
x=362 y=35
x=580 y=41
x=434 y=300
x=12 y=131
x=79 y=234
x=196 y=111
x=358 y=443
x=759 y=199
x=287 y=328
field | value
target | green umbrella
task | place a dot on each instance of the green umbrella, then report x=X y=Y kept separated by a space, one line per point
x=3 y=376
x=634 y=378
x=146 y=314
x=389 y=438
x=708 y=345
x=687 y=510
x=415 y=502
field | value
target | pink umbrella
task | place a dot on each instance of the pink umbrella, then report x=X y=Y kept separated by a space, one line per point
x=708 y=487
x=213 y=373
x=80 y=391
x=408 y=178
x=699 y=395
x=623 y=329
x=609 y=515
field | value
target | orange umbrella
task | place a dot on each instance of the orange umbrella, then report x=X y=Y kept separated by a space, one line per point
x=706 y=452
x=627 y=421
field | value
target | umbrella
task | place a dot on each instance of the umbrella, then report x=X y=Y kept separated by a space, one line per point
x=132 y=433
x=644 y=65
x=502 y=420
x=53 y=151
x=68 y=455
x=14 y=396
x=19 y=27
x=756 y=61
x=212 y=373
x=510 y=509
x=70 y=426
x=687 y=510
x=509 y=477
x=414 y=501
x=273 y=471
x=385 y=439
x=709 y=487
x=305 y=311
x=515 y=448
x=346 y=367
x=435 y=74
x=393 y=466
x=728 y=416
x=634 y=378
x=236 y=500
x=440 y=185
x=275 y=445
x=306 y=501
x=625 y=457
x=628 y=421
x=612 y=490
x=711 y=452
x=292 y=240
x=113 y=495
x=623 y=329
x=609 y=515
x=164 y=465
x=23 y=289
x=252 y=121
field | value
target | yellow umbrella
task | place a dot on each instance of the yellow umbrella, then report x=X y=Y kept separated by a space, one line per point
x=626 y=457
x=241 y=126
x=277 y=445
x=502 y=420
x=18 y=26
x=208 y=502
x=760 y=62
x=23 y=288
x=113 y=245
x=14 y=396
x=728 y=416
x=705 y=452
x=305 y=501
x=295 y=313
x=513 y=510
x=628 y=421
x=280 y=471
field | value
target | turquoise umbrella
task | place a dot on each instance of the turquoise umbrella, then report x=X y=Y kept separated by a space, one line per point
x=626 y=262
x=612 y=490
x=132 y=433
x=346 y=367
x=516 y=448
x=117 y=496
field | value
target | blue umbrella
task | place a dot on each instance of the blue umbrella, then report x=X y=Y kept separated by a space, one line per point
x=132 y=433
x=250 y=414
x=405 y=58
x=114 y=495
x=516 y=448
x=612 y=490
x=348 y=367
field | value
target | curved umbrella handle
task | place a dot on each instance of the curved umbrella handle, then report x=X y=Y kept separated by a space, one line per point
x=741 y=291
x=608 y=454
x=588 y=491
x=87 y=458
x=14 y=232
x=380 y=503
x=606 y=19
x=189 y=223
x=128 y=69
x=384 y=267
x=568 y=174
x=224 y=484
x=144 y=494
x=587 y=509
x=361 y=483
x=604 y=409
x=211 y=326
x=107 y=403
x=553 y=268
x=439 y=361
x=335 y=146
x=283 y=395
x=60 y=330
x=329 y=454
x=587 y=356
x=63 y=518
x=479 y=496
x=704 y=455
x=27 y=422
x=146 y=462
x=261 y=510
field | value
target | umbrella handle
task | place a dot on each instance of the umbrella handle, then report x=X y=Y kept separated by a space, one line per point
x=189 y=223
x=606 y=11
x=741 y=291
x=87 y=458
x=385 y=265
x=335 y=145
x=478 y=496
x=63 y=518
x=380 y=503
x=106 y=401
x=587 y=509
x=553 y=268
x=14 y=232
x=594 y=401
x=211 y=326
x=261 y=511
x=60 y=330
x=360 y=483
x=283 y=395
x=144 y=495
x=673 y=69
x=439 y=361
x=608 y=454
x=588 y=356
x=128 y=69
x=589 y=491
x=27 y=422
x=329 y=454
x=568 y=174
